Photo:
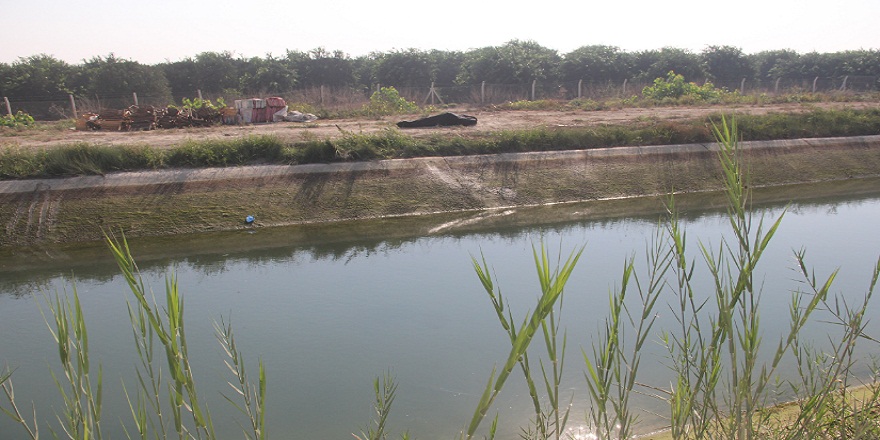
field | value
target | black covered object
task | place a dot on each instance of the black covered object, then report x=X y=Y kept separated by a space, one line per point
x=443 y=119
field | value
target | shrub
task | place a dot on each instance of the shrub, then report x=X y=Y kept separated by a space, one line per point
x=19 y=119
x=675 y=87
x=387 y=101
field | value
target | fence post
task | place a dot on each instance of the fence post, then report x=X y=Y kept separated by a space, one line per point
x=199 y=92
x=8 y=107
x=624 y=86
x=843 y=86
x=322 y=95
x=776 y=87
x=742 y=87
x=135 y=96
x=73 y=106
x=580 y=83
x=534 y=81
x=814 y=83
x=483 y=93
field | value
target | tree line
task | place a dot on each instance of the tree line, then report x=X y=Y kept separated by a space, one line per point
x=43 y=77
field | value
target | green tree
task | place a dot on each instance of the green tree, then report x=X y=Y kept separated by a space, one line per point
x=516 y=62
x=115 y=77
x=182 y=77
x=267 y=75
x=319 y=67
x=217 y=72
x=35 y=77
x=727 y=63
x=403 y=68
x=657 y=63
x=596 y=64
x=772 y=64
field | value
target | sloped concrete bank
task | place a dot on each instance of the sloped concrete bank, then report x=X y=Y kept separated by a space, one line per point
x=186 y=201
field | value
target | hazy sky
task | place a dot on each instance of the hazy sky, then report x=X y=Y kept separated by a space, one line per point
x=155 y=31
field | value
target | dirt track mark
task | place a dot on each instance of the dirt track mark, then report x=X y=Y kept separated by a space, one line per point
x=40 y=210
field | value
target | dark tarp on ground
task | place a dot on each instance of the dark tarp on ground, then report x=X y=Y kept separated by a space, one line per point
x=443 y=119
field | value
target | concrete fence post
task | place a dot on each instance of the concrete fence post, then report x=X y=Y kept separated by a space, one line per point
x=742 y=87
x=580 y=85
x=199 y=92
x=624 y=87
x=73 y=106
x=815 y=80
x=483 y=93
x=534 y=81
x=776 y=87
x=843 y=86
x=8 y=107
x=134 y=95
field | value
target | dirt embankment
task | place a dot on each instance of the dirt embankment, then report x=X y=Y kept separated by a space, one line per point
x=489 y=121
x=187 y=201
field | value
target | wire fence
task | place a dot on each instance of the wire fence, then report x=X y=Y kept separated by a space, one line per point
x=483 y=94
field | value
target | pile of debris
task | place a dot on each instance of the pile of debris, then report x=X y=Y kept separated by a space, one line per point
x=148 y=118
x=247 y=111
x=173 y=117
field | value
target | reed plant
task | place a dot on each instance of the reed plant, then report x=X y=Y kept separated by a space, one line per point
x=723 y=380
x=549 y=423
x=165 y=403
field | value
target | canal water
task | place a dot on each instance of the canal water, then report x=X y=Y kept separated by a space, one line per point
x=328 y=309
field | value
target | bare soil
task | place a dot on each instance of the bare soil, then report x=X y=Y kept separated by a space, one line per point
x=489 y=121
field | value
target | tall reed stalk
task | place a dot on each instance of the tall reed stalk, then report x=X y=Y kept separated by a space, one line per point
x=550 y=423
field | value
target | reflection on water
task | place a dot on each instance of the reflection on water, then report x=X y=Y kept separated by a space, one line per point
x=330 y=307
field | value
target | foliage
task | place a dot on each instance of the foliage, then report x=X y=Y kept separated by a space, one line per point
x=19 y=119
x=111 y=76
x=385 y=394
x=675 y=87
x=656 y=63
x=722 y=376
x=387 y=101
x=552 y=282
x=596 y=64
x=727 y=63
x=197 y=103
x=515 y=62
x=156 y=393
x=37 y=76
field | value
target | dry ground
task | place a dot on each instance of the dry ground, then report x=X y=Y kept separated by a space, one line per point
x=489 y=121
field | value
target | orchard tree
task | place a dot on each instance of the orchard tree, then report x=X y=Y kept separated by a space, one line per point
x=403 y=68
x=320 y=67
x=35 y=77
x=595 y=64
x=654 y=64
x=516 y=62
x=115 y=77
x=773 y=64
x=267 y=75
x=727 y=63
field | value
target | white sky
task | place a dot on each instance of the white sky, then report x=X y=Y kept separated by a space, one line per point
x=154 y=31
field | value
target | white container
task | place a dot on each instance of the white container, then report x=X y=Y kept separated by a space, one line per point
x=247 y=115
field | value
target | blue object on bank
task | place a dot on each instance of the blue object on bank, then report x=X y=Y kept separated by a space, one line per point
x=249 y=219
